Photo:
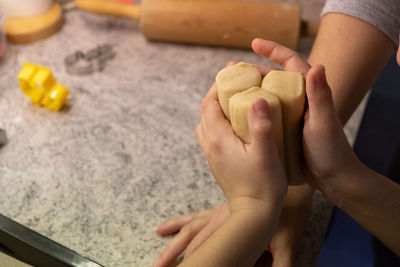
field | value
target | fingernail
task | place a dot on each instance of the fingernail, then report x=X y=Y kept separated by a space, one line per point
x=260 y=107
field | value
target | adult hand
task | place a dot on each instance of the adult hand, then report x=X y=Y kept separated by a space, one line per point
x=326 y=149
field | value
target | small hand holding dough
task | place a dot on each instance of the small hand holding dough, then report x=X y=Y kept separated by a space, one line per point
x=239 y=106
x=235 y=79
x=285 y=94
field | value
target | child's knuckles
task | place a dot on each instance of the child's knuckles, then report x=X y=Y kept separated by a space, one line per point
x=298 y=58
x=188 y=252
x=262 y=128
x=203 y=105
x=191 y=216
x=214 y=146
x=164 y=255
x=188 y=230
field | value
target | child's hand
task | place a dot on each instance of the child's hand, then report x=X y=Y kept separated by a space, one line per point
x=326 y=149
x=251 y=172
x=194 y=229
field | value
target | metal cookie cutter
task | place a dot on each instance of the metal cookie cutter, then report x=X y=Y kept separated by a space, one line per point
x=80 y=63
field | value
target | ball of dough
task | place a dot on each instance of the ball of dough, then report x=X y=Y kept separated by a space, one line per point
x=239 y=106
x=285 y=88
x=235 y=79
x=289 y=87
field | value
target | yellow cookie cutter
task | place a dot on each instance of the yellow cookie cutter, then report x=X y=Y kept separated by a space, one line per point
x=39 y=84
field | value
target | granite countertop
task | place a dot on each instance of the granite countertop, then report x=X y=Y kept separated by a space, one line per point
x=100 y=175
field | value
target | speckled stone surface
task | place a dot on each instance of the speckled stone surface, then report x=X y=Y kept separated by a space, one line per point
x=123 y=157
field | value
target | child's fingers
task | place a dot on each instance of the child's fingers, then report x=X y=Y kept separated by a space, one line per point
x=287 y=58
x=216 y=219
x=210 y=101
x=173 y=250
x=200 y=238
x=174 y=225
x=211 y=95
x=179 y=243
x=213 y=119
x=200 y=135
x=212 y=115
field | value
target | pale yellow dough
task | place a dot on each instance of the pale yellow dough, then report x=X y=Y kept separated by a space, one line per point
x=284 y=92
x=239 y=106
x=235 y=79
x=289 y=87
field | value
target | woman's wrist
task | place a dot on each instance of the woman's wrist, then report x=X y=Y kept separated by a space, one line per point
x=340 y=187
x=371 y=199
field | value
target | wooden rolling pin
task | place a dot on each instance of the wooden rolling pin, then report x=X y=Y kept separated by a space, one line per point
x=232 y=23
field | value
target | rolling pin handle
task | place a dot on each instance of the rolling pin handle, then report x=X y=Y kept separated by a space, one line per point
x=309 y=28
x=110 y=8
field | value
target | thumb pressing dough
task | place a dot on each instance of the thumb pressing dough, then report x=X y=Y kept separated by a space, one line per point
x=285 y=94
x=239 y=106
x=235 y=79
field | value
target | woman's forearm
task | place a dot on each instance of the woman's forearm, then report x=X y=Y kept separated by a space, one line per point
x=372 y=200
x=354 y=53
x=239 y=241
